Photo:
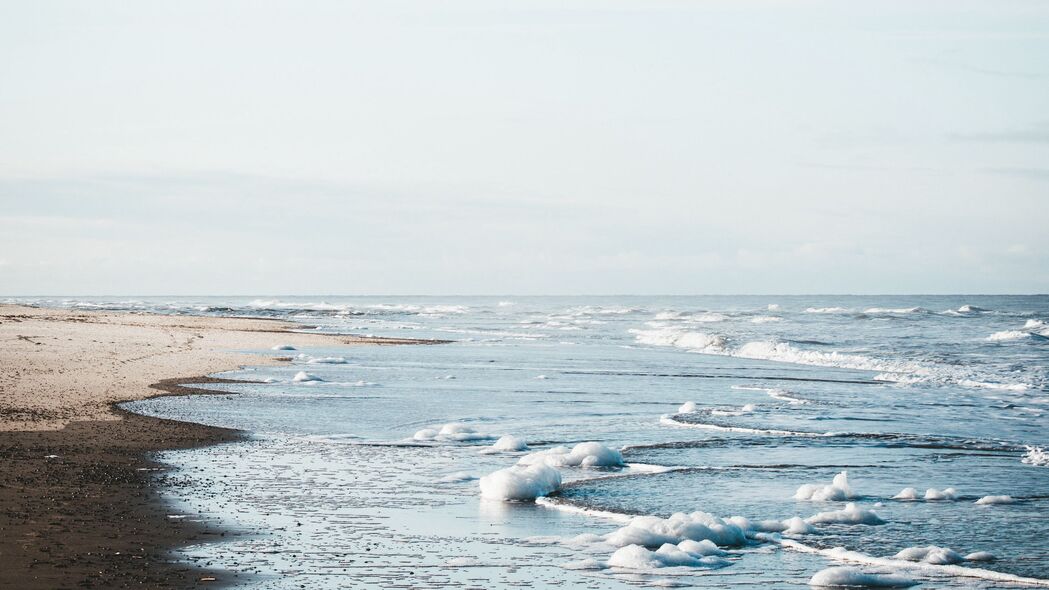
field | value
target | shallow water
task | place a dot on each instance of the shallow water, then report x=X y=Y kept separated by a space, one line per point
x=898 y=391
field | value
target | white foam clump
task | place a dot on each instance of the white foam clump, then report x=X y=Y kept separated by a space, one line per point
x=509 y=443
x=826 y=310
x=652 y=531
x=1036 y=456
x=773 y=307
x=637 y=557
x=283 y=347
x=520 y=483
x=687 y=408
x=585 y=454
x=907 y=494
x=765 y=319
x=945 y=495
x=327 y=360
x=980 y=556
x=990 y=500
x=790 y=526
x=851 y=514
x=304 y=377
x=453 y=431
x=931 y=554
x=842 y=576
x=837 y=490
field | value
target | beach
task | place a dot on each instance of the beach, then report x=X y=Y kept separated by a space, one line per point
x=604 y=442
x=78 y=501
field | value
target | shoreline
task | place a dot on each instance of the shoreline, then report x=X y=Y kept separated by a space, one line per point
x=80 y=502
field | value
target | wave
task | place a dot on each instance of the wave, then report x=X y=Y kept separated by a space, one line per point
x=899 y=371
x=775 y=393
x=842 y=554
x=651 y=530
x=671 y=421
x=1036 y=456
x=894 y=310
x=676 y=337
x=827 y=310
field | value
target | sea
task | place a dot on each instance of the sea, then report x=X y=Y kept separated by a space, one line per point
x=625 y=441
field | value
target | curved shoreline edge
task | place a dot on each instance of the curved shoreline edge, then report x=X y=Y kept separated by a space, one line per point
x=80 y=501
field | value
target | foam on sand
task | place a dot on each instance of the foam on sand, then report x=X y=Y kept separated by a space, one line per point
x=585 y=454
x=844 y=576
x=837 y=490
x=304 y=377
x=850 y=515
x=520 y=483
x=991 y=500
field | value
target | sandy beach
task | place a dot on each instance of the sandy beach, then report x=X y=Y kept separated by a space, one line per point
x=78 y=502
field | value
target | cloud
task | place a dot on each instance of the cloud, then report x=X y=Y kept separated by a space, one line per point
x=1030 y=173
x=1038 y=133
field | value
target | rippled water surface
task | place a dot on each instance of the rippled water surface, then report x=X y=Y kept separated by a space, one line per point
x=922 y=392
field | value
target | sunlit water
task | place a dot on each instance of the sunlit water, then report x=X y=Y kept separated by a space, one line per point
x=922 y=392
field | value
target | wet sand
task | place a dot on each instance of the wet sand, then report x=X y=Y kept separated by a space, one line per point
x=79 y=506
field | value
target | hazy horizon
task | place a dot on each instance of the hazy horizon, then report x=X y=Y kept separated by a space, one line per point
x=658 y=147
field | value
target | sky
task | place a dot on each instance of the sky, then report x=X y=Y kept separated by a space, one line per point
x=526 y=147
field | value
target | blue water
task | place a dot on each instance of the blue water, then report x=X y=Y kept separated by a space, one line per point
x=902 y=391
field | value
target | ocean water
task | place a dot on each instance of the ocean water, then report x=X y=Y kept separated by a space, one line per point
x=349 y=483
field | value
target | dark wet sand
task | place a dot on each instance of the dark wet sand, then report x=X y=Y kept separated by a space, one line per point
x=92 y=517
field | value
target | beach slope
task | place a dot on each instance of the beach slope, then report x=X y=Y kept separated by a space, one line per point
x=78 y=501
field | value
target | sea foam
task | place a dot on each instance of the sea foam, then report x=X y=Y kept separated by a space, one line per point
x=585 y=454
x=850 y=515
x=844 y=576
x=837 y=490
x=520 y=483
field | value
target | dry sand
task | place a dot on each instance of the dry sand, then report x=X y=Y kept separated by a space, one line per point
x=61 y=365
x=78 y=489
